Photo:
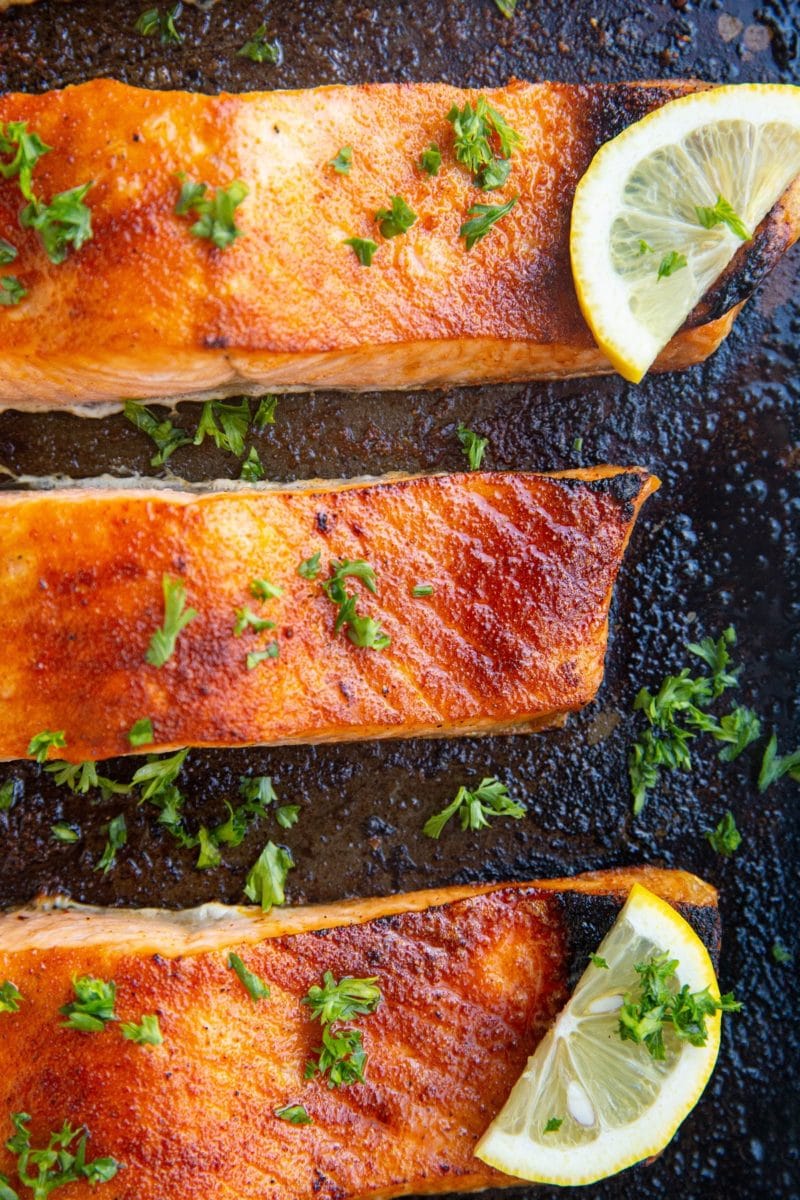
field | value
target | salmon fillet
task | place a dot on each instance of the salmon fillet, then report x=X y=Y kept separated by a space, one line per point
x=512 y=638
x=471 y=977
x=146 y=309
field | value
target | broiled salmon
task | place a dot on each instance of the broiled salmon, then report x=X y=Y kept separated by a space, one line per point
x=147 y=309
x=470 y=977
x=513 y=574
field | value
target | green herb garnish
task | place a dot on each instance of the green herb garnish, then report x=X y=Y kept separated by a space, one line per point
x=265 y=413
x=259 y=49
x=153 y=22
x=295 y=1114
x=24 y=150
x=7 y=252
x=431 y=160
x=225 y=424
x=309 y=567
x=645 y=247
x=670 y=263
x=659 y=1006
x=167 y=437
x=774 y=767
x=341 y=1001
x=93 y=1006
x=146 y=1033
x=10 y=997
x=252 y=470
x=256 y=988
x=553 y=1123
x=266 y=880
x=262 y=589
x=780 y=953
x=258 y=791
x=141 y=732
x=725 y=839
x=476 y=130
x=78 y=777
x=341 y=1057
x=722 y=213
x=395 y=220
x=363 y=248
x=117 y=837
x=158 y=774
x=255 y=657
x=484 y=216
x=176 y=618
x=60 y=1163
x=508 y=8
x=63 y=223
x=209 y=856
x=62 y=832
x=475 y=809
x=494 y=174
x=216 y=214
x=598 y=961
x=11 y=291
x=364 y=632
x=41 y=744
x=421 y=589
x=474 y=447
x=10 y=790
x=287 y=815
x=343 y=161
x=247 y=619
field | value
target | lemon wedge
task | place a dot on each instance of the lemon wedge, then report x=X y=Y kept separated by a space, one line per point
x=589 y=1104
x=664 y=207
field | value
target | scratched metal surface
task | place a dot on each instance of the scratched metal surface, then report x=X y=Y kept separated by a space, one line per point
x=717 y=545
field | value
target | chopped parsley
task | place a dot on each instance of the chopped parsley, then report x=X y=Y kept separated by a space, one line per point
x=645 y=247
x=659 y=1005
x=477 y=130
x=146 y=1033
x=494 y=174
x=598 y=961
x=152 y=22
x=265 y=413
x=395 y=220
x=41 y=744
x=93 y=1006
x=255 y=657
x=247 y=619
x=10 y=790
x=738 y=728
x=287 y=815
x=258 y=791
x=725 y=839
x=364 y=632
x=363 y=248
x=61 y=1162
x=474 y=447
x=209 y=855
x=430 y=160
x=295 y=1114
x=484 y=216
x=252 y=468
x=774 y=767
x=215 y=214
x=158 y=774
x=341 y=1001
x=167 y=437
x=671 y=262
x=420 y=590
x=266 y=880
x=262 y=589
x=341 y=1057
x=343 y=161
x=11 y=291
x=508 y=8
x=10 y=997
x=577 y=444
x=141 y=732
x=78 y=777
x=63 y=832
x=259 y=49
x=176 y=617
x=7 y=252
x=780 y=953
x=309 y=567
x=722 y=213
x=256 y=988
x=225 y=424
x=63 y=223
x=553 y=1123
x=116 y=839
x=475 y=809
x=23 y=150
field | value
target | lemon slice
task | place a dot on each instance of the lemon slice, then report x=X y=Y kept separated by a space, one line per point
x=616 y=1103
x=635 y=211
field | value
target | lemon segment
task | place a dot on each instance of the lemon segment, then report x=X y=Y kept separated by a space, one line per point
x=636 y=206
x=616 y=1103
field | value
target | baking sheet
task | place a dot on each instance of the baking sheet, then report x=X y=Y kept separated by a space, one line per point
x=717 y=545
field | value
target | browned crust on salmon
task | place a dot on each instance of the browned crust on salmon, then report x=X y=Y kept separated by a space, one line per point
x=471 y=979
x=145 y=309
x=512 y=638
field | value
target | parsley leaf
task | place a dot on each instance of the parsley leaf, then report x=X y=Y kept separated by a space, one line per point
x=397 y=219
x=343 y=161
x=247 y=619
x=255 y=657
x=152 y=21
x=61 y=1162
x=7 y=252
x=715 y=654
x=11 y=291
x=476 y=129
x=431 y=160
x=146 y=1033
x=66 y=221
x=780 y=953
x=117 y=837
x=645 y=247
x=258 y=791
x=93 y=1006
x=266 y=880
x=141 y=732
x=209 y=855
x=176 y=618
x=167 y=437
x=234 y=422
x=259 y=49
x=216 y=214
x=265 y=413
x=494 y=174
x=341 y=1057
x=484 y=216
x=78 y=777
x=738 y=728
x=598 y=961
x=364 y=632
x=10 y=997
x=252 y=469
x=295 y=1114
x=508 y=8
x=725 y=839
x=340 y=1001
x=309 y=567
x=287 y=815
x=670 y=263
x=262 y=589
x=553 y=1123
x=158 y=774
x=474 y=809
x=10 y=790
x=773 y=766
x=363 y=248
x=660 y=1005
x=257 y=989
x=357 y=568
x=62 y=832
x=420 y=590
x=474 y=447
x=25 y=150
x=41 y=743
x=722 y=213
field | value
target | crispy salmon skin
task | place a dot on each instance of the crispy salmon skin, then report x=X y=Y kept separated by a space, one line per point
x=512 y=636
x=470 y=979
x=146 y=309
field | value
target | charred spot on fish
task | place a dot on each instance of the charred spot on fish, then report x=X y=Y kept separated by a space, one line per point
x=136 y=137
x=748 y=267
x=322 y=522
x=344 y=689
x=215 y=341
